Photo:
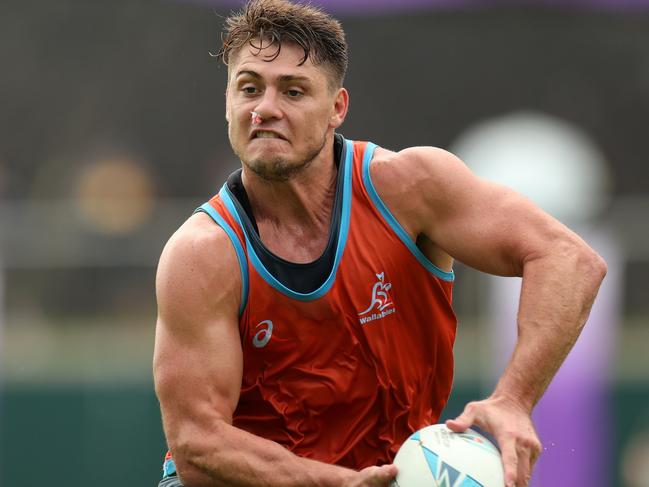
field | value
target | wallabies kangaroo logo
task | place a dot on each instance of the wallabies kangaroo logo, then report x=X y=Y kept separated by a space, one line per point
x=380 y=297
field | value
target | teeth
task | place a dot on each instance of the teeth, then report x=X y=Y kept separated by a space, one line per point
x=266 y=135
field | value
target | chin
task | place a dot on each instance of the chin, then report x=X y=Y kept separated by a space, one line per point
x=274 y=162
x=275 y=168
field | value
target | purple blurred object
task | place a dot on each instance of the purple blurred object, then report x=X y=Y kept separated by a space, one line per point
x=371 y=7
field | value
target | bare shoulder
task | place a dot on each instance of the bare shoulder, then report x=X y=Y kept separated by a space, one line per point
x=416 y=167
x=410 y=180
x=483 y=224
x=199 y=238
x=198 y=269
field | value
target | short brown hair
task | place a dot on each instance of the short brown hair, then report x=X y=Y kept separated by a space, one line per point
x=320 y=36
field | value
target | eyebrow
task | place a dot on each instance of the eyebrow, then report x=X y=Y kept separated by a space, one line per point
x=283 y=78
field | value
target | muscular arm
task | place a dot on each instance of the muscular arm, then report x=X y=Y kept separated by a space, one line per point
x=198 y=368
x=498 y=231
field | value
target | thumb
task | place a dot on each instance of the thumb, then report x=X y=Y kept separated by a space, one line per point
x=382 y=474
x=463 y=421
x=388 y=471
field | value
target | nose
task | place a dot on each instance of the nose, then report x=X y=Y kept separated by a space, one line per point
x=269 y=105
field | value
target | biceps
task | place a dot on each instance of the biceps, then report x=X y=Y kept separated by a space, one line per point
x=197 y=375
x=494 y=229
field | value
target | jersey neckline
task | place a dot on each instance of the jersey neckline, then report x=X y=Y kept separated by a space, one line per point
x=346 y=163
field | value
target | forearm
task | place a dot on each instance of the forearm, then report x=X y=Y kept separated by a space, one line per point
x=557 y=293
x=228 y=456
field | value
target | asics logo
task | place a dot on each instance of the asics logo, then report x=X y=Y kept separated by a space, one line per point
x=262 y=337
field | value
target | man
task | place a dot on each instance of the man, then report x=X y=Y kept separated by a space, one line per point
x=305 y=326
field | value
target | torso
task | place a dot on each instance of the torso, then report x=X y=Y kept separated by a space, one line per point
x=345 y=372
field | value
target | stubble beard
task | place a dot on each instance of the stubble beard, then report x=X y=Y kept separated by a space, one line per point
x=279 y=169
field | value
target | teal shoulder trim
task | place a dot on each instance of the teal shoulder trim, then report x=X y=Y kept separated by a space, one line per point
x=241 y=255
x=392 y=221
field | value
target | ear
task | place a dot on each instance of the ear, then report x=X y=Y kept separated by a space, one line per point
x=341 y=105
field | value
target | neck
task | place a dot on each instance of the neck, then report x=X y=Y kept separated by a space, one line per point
x=303 y=201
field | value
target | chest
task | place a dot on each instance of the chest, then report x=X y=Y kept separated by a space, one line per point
x=375 y=290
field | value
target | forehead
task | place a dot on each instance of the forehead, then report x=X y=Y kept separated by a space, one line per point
x=287 y=63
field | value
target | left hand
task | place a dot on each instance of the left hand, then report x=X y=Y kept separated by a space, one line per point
x=512 y=427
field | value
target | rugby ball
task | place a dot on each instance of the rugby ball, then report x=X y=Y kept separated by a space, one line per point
x=435 y=456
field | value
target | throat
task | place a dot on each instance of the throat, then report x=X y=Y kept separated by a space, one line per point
x=298 y=252
x=293 y=243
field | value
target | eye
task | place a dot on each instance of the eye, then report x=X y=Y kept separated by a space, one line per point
x=294 y=93
x=249 y=90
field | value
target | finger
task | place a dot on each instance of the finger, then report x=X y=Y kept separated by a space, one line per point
x=510 y=461
x=528 y=453
x=524 y=466
x=464 y=420
x=536 y=452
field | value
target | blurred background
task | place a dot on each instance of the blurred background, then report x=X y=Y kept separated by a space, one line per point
x=112 y=132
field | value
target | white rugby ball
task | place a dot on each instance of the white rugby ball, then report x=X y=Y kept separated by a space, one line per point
x=435 y=456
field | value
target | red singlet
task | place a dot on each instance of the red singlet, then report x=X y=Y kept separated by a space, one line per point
x=346 y=373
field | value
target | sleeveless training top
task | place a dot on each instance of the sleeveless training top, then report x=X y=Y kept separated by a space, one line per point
x=344 y=374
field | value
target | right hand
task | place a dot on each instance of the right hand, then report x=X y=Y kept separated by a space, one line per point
x=374 y=476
